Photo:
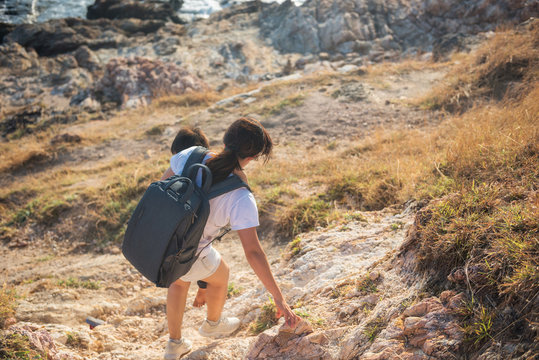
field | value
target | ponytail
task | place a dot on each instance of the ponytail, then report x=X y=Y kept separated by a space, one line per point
x=244 y=138
x=222 y=165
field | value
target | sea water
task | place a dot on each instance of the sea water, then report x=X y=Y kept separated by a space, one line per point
x=31 y=11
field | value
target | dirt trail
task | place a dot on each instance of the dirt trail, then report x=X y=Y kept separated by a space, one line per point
x=61 y=289
x=134 y=310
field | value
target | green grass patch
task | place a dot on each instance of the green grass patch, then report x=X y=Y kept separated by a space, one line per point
x=266 y=319
x=233 y=290
x=17 y=347
x=306 y=215
x=294 y=100
x=374 y=327
x=366 y=285
x=74 y=283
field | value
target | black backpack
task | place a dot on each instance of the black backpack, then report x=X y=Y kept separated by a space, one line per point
x=165 y=229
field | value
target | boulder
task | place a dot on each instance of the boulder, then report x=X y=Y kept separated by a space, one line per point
x=21 y=120
x=289 y=343
x=62 y=36
x=5 y=29
x=354 y=26
x=16 y=59
x=136 y=81
x=86 y=58
x=426 y=330
x=147 y=10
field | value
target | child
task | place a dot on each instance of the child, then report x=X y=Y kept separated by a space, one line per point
x=185 y=138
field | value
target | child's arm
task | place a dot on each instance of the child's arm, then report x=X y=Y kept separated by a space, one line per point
x=167 y=174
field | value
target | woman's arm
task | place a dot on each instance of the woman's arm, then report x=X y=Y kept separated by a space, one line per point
x=257 y=259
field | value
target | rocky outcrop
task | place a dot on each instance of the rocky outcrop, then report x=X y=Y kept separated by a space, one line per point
x=16 y=58
x=66 y=35
x=120 y=9
x=426 y=330
x=41 y=341
x=134 y=82
x=366 y=26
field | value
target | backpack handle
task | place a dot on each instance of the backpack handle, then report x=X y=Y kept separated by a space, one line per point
x=188 y=192
x=192 y=172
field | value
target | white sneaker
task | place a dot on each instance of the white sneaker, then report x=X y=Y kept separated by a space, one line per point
x=225 y=326
x=175 y=349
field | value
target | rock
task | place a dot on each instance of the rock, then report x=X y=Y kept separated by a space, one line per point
x=9 y=321
x=290 y=343
x=323 y=56
x=62 y=36
x=134 y=82
x=65 y=138
x=446 y=45
x=353 y=91
x=86 y=58
x=425 y=330
x=374 y=275
x=21 y=120
x=350 y=26
x=5 y=29
x=232 y=51
x=40 y=340
x=302 y=327
x=121 y=9
x=318 y=338
x=143 y=305
x=167 y=46
x=16 y=59
x=347 y=68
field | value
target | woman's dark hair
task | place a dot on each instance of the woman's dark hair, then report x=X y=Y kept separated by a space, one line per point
x=188 y=136
x=246 y=137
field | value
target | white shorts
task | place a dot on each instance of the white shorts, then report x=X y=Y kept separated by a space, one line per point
x=203 y=267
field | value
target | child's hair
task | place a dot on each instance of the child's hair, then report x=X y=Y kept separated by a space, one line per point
x=246 y=137
x=188 y=136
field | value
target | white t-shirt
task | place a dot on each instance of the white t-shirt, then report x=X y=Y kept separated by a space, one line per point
x=237 y=207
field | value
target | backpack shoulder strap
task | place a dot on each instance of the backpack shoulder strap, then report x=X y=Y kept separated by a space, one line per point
x=196 y=157
x=230 y=183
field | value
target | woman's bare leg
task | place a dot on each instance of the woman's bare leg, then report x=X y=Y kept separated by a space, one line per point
x=216 y=291
x=176 y=297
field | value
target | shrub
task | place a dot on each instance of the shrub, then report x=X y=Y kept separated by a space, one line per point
x=17 y=347
x=266 y=319
x=7 y=304
x=503 y=65
x=77 y=283
x=306 y=215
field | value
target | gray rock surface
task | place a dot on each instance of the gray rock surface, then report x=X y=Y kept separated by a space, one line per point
x=134 y=82
x=362 y=26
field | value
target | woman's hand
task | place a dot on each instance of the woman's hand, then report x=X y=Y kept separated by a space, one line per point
x=257 y=259
x=289 y=316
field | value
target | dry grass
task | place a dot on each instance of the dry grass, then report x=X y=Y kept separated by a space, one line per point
x=190 y=99
x=265 y=319
x=376 y=71
x=386 y=169
x=7 y=304
x=486 y=226
x=15 y=346
x=101 y=198
x=505 y=65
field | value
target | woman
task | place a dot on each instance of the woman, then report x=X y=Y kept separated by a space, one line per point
x=245 y=140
